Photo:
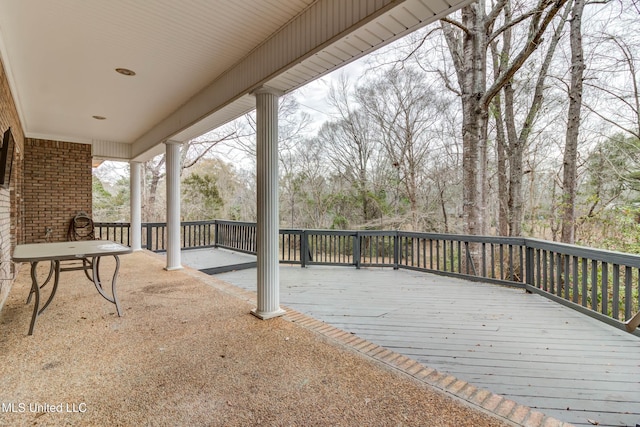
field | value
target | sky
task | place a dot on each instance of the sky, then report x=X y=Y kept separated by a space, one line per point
x=312 y=99
x=313 y=96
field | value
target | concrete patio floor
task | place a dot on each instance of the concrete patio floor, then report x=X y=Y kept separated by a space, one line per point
x=187 y=352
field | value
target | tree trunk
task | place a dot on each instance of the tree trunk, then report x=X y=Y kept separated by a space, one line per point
x=469 y=53
x=443 y=207
x=516 y=152
x=154 y=172
x=569 y=179
x=511 y=145
x=501 y=147
x=475 y=115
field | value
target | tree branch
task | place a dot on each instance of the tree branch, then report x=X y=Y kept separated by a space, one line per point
x=613 y=122
x=510 y=24
x=456 y=24
x=424 y=39
x=539 y=88
x=455 y=48
x=493 y=15
x=535 y=36
x=189 y=163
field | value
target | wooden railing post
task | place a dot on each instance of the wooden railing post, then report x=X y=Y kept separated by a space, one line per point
x=304 y=249
x=215 y=233
x=149 y=244
x=396 y=250
x=529 y=266
x=356 y=250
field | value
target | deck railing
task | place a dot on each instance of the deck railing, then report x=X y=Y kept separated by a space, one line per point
x=603 y=284
x=193 y=234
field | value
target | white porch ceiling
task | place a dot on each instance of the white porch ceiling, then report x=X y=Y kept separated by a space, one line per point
x=195 y=60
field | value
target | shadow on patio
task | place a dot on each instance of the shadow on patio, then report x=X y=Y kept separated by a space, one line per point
x=187 y=352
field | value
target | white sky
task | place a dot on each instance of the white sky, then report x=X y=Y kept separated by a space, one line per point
x=313 y=96
x=312 y=99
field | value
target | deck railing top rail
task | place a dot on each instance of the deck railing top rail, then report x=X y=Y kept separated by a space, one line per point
x=612 y=257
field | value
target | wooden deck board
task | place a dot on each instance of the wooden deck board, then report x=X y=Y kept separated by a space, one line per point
x=523 y=346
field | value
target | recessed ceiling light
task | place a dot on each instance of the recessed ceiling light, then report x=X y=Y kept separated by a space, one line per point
x=125 y=71
x=99 y=117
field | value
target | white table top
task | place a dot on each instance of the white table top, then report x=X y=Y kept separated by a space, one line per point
x=67 y=250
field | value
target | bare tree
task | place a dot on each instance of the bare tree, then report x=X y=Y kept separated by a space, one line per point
x=154 y=172
x=621 y=96
x=406 y=114
x=312 y=187
x=511 y=143
x=469 y=41
x=351 y=146
x=292 y=124
x=569 y=177
x=191 y=153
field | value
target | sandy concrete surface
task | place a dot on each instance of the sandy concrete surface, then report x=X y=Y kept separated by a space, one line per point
x=188 y=353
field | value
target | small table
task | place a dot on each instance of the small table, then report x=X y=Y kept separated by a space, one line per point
x=88 y=251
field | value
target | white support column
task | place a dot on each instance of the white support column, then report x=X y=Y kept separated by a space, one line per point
x=173 y=205
x=135 y=206
x=267 y=204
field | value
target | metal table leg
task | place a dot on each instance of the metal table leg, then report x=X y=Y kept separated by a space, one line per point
x=44 y=283
x=96 y=281
x=35 y=289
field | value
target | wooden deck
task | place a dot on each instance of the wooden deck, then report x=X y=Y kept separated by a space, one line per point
x=522 y=346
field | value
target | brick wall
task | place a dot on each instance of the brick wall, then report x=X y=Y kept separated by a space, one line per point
x=57 y=185
x=11 y=200
x=50 y=183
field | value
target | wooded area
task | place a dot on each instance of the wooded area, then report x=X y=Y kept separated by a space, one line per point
x=510 y=117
